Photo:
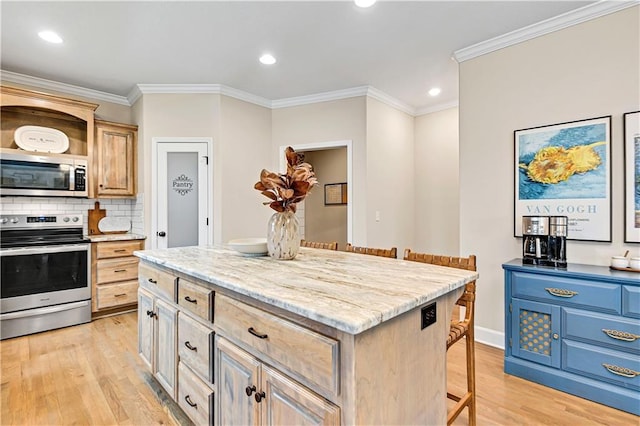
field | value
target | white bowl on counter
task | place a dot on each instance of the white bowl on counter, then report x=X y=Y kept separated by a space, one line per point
x=634 y=263
x=249 y=246
x=619 y=261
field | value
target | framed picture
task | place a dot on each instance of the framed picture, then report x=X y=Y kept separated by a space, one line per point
x=565 y=170
x=335 y=193
x=632 y=177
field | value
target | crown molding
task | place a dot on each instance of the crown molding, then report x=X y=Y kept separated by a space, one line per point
x=320 y=97
x=436 y=108
x=218 y=89
x=574 y=17
x=55 y=86
x=221 y=89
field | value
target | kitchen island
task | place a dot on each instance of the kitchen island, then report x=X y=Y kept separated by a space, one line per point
x=327 y=338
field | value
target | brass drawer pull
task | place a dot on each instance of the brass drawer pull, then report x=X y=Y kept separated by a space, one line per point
x=120 y=270
x=120 y=250
x=621 y=335
x=621 y=371
x=193 y=404
x=120 y=295
x=561 y=292
x=188 y=345
x=190 y=300
x=255 y=333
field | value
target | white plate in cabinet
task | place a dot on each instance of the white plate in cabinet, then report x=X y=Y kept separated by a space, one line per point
x=195 y=346
x=194 y=397
x=196 y=299
x=310 y=355
x=113 y=295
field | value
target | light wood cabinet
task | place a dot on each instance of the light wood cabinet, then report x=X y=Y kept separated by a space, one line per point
x=114 y=272
x=114 y=162
x=253 y=393
x=157 y=338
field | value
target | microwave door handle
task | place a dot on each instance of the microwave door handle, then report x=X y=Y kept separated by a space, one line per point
x=43 y=250
x=72 y=178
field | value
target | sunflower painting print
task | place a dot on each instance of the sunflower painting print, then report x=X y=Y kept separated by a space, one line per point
x=566 y=163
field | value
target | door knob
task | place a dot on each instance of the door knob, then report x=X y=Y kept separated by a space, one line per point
x=162 y=234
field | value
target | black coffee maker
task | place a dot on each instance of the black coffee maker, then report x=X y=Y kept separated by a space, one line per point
x=535 y=233
x=544 y=240
x=557 y=242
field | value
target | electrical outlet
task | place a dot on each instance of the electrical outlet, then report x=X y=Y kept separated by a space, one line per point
x=427 y=316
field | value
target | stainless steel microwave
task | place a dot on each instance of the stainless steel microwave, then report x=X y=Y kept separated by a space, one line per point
x=35 y=175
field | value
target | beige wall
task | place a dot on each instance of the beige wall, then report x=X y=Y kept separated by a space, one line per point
x=244 y=149
x=324 y=122
x=390 y=177
x=437 y=191
x=587 y=70
x=326 y=223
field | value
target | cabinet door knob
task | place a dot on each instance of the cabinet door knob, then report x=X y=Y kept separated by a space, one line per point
x=194 y=405
x=250 y=389
x=555 y=336
x=260 y=396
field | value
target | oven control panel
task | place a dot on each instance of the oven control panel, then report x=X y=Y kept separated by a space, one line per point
x=29 y=221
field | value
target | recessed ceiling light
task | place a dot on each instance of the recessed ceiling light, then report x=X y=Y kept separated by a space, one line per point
x=267 y=59
x=434 y=91
x=50 y=36
x=364 y=3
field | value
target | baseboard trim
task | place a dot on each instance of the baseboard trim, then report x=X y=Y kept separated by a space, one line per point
x=489 y=337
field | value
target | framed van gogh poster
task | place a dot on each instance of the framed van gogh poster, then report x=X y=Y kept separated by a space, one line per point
x=565 y=170
x=632 y=177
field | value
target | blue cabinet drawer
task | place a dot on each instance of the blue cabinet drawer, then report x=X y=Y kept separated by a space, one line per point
x=615 y=367
x=594 y=295
x=631 y=301
x=614 y=332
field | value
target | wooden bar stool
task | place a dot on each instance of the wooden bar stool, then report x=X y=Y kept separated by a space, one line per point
x=459 y=329
x=392 y=252
x=313 y=244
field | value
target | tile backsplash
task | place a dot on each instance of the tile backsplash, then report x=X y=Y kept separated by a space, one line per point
x=130 y=208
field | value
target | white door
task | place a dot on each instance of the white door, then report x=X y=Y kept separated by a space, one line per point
x=181 y=194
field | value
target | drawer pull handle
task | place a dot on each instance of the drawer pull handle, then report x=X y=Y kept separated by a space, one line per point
x=120 y=270
x=194 y=405
x=190 y=300
x=120 y=295
x=621 y=335
x=188 y=345
x=250 y=389
x=561 y=292
x=152 y=281
x=120 y=250
x=621 y=371
x=258 y=335
x=260 y=396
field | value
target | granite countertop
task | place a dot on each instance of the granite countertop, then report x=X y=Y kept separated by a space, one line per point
x=348 y=291
x=115 y=237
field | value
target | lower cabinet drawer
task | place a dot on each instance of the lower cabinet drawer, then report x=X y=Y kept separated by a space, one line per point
x=616 y=367
x=613 y=331
x=196 y=299
x=310 y=355
x=112 y=295
x=160 y=280
x=118 y=269
x=195 y=346
x=194 y=396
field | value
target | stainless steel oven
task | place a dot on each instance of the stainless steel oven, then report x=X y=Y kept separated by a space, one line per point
x=45 y=273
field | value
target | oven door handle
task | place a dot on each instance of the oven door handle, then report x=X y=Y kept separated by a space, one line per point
x=43 y=249
x=44 y=311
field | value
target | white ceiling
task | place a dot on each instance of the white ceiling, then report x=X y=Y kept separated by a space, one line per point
x=400 y=48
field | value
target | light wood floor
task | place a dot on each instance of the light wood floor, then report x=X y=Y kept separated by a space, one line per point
x=91 y=375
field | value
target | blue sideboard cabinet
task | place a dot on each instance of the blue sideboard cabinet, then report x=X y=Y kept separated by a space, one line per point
x=576 y=330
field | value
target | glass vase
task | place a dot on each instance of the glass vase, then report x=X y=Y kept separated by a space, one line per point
x=283 y=237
